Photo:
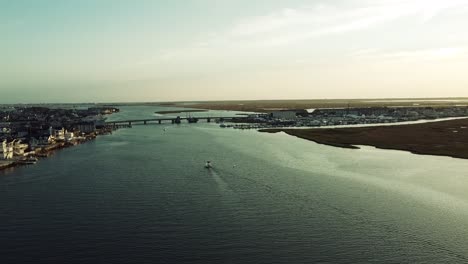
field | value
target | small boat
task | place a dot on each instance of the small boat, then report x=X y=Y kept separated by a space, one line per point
x=208 y=165
x=192 y=120
x=28 y=160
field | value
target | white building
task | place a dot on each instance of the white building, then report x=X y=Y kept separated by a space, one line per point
x=19 y=148
x=59 y=135
x=6 y=152
x=69 y=136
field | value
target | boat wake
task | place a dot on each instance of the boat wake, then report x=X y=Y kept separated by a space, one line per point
x=222 y=184
x=223 y=187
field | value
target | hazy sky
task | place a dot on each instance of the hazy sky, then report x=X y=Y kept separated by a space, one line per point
x=111 y=50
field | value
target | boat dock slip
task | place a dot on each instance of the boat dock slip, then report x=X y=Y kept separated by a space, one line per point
x=172 y=120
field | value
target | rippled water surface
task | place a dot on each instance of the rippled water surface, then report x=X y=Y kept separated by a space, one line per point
x=142 y=195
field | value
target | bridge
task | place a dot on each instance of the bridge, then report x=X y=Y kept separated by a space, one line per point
x=172 y=120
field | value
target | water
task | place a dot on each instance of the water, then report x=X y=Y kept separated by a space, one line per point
x=142 y=195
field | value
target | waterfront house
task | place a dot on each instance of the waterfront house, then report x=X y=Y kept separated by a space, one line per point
x=69 y=136
x=40 y=142
x=6 y=150
x=59 y=134
x=19 y=148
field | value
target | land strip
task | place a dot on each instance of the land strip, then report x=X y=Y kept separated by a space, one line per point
x=445 y=138
x=180 y=111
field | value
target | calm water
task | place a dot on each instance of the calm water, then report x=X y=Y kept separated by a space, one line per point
x=142 y=195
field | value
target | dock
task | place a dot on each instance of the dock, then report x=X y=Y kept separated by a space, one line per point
x=6 y=164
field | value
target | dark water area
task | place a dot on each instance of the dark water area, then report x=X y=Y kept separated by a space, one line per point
x=142 y=195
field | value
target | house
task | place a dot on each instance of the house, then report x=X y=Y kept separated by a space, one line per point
x=69 y=136
x=18 y=147
x=6 y=151
x=40 y=142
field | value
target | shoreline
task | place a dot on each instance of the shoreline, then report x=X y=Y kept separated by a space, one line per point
x=43 y=153
x=443 y=138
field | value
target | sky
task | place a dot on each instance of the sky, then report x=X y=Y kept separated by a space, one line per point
x=185 y=50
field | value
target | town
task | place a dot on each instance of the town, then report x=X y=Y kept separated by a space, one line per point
x=30 y=132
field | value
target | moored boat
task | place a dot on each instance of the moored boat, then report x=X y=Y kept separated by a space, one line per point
x=192 y=119
x=28 y=160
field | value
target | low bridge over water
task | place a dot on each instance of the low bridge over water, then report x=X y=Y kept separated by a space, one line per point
x=172 y=120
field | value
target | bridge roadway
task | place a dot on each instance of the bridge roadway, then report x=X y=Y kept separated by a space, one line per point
x=173 y=120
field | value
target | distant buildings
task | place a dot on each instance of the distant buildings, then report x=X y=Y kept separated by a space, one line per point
x=24 y=129
x=86 y=127
x=351 y=116
x=103 y=110
x=284 y=115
